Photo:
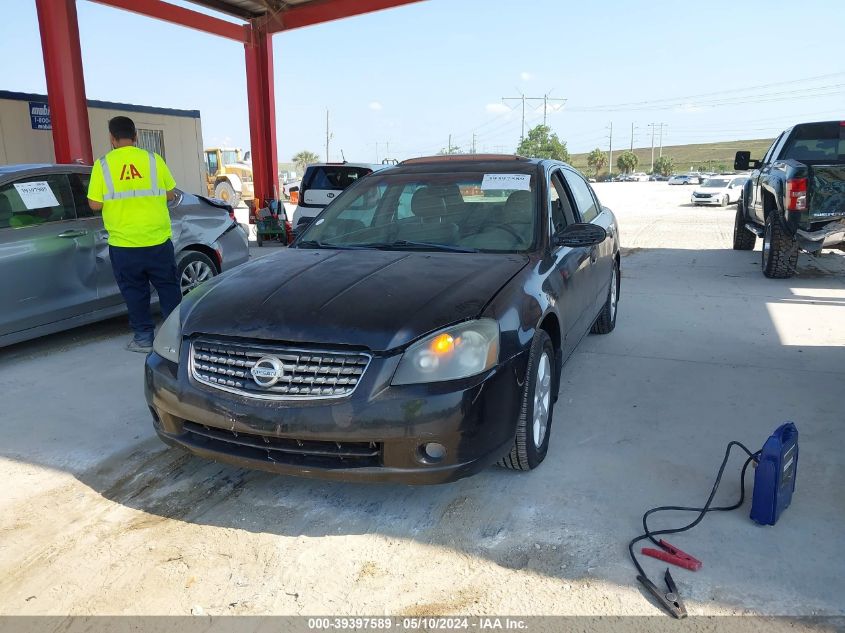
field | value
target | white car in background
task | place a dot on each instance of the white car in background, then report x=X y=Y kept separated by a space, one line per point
x=719 y=190
x=638 y=177
x=322 y=183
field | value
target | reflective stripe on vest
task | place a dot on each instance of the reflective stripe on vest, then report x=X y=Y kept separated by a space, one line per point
x=133 y=193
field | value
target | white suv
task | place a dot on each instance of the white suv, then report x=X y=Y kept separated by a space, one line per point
x=721 y=190
x=321 y=183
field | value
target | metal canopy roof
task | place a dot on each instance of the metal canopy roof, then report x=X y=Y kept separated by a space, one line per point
x=283 y=14
x=248 y=9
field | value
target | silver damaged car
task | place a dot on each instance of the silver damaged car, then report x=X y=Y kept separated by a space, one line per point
x=55 y=272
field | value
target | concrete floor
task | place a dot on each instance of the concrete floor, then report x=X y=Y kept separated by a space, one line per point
x=98 y=517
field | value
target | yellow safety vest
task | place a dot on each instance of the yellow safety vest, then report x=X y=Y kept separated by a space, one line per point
x=132 y=184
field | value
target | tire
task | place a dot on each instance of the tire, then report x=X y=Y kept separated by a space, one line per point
x=606 y=321
x=226 y=192
x=259 y=240
x=744 y=240
x=532 y=438
x=780 y=250
x=193 y=269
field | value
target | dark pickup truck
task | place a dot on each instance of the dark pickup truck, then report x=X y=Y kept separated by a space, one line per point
x=795 y=196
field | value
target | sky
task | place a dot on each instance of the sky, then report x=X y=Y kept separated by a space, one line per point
x=399 y=83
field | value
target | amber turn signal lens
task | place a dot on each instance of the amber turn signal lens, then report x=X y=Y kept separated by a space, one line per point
x=443 y=344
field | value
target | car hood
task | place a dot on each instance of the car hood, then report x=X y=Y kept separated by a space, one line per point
x=711 y=189
x=380 y=300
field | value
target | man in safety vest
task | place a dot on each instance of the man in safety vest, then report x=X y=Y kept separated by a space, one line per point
x=132 y=186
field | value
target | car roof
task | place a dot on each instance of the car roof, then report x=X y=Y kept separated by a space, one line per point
x=366 y=165
x=469 y=162
x=13 y=169
x=22 y=168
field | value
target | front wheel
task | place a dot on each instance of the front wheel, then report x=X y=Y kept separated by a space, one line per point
x=780 y=250
x=533 y=425
x=226 y=192
x=744 y=239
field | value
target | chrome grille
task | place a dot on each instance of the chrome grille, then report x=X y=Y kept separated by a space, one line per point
x=701 y=195
x=307 y=374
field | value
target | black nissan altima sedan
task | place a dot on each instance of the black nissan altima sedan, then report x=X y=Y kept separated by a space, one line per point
x=415 y=332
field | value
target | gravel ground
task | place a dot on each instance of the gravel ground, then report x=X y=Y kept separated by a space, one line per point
x=98 y=517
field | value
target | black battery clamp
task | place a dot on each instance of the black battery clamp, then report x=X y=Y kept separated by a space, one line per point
x=774 y=482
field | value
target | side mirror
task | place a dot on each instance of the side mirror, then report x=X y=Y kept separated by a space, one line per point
x=176 y=201
x=579 y=235
x=743 y=161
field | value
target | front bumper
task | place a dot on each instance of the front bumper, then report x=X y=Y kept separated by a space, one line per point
x=717 y=201
x=376 y=434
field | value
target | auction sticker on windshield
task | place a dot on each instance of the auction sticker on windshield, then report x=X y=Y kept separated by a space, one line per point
x=36 y=195
x=506 y=181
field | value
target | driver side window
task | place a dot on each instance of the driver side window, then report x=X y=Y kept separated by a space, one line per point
x=560 y=208
x=768 y=157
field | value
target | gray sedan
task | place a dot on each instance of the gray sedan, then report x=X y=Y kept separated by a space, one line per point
x=55 y=271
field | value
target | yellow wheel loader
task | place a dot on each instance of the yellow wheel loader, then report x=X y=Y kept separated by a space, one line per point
x=229 y=176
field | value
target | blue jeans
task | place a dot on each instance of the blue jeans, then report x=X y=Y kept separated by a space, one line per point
x=134 y=270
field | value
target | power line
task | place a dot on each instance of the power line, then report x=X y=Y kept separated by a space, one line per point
x=545 y=99
x=711 y=94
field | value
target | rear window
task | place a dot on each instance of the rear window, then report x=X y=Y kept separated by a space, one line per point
x=816 y=141
x=333 y=178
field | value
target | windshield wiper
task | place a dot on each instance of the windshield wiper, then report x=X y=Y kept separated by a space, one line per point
x=319 y=244
x=408 y=245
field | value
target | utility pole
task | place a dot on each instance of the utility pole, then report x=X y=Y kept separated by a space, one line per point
x=661 y=137
x=328 y=136
x=473 y=143
x=652 y=126
x=522 y=99
x=449 y=146
x=387 y=149
x=610 y=160
x=632 y=137
x=545 y=99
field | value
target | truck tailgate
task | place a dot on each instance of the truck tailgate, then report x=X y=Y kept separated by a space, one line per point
x=827 y=191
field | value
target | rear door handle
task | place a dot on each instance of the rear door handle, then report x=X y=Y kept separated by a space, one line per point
x=73 y=233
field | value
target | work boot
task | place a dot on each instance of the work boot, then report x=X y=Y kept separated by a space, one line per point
x=141 y=346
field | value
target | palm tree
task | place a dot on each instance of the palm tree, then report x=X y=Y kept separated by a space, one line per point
x=597 y=159
x=303 y=159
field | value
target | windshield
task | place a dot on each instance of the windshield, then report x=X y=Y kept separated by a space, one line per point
x=230 y=156
x=715 y=182
x=470 y=211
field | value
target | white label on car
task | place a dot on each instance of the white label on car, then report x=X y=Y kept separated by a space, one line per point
x=319 y=196
x=36 y=195
x=506 y=181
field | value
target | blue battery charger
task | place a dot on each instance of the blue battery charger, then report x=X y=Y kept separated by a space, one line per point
x=774 y=478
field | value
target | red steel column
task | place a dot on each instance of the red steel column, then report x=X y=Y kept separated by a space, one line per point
x=261 y=99
x=65 y=82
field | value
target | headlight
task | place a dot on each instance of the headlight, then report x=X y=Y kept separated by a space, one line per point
x=456 y=352
x=168 y=341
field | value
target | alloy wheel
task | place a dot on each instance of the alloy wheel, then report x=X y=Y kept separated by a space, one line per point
x=194 y=274
x=542 y=399
x=613 y=285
